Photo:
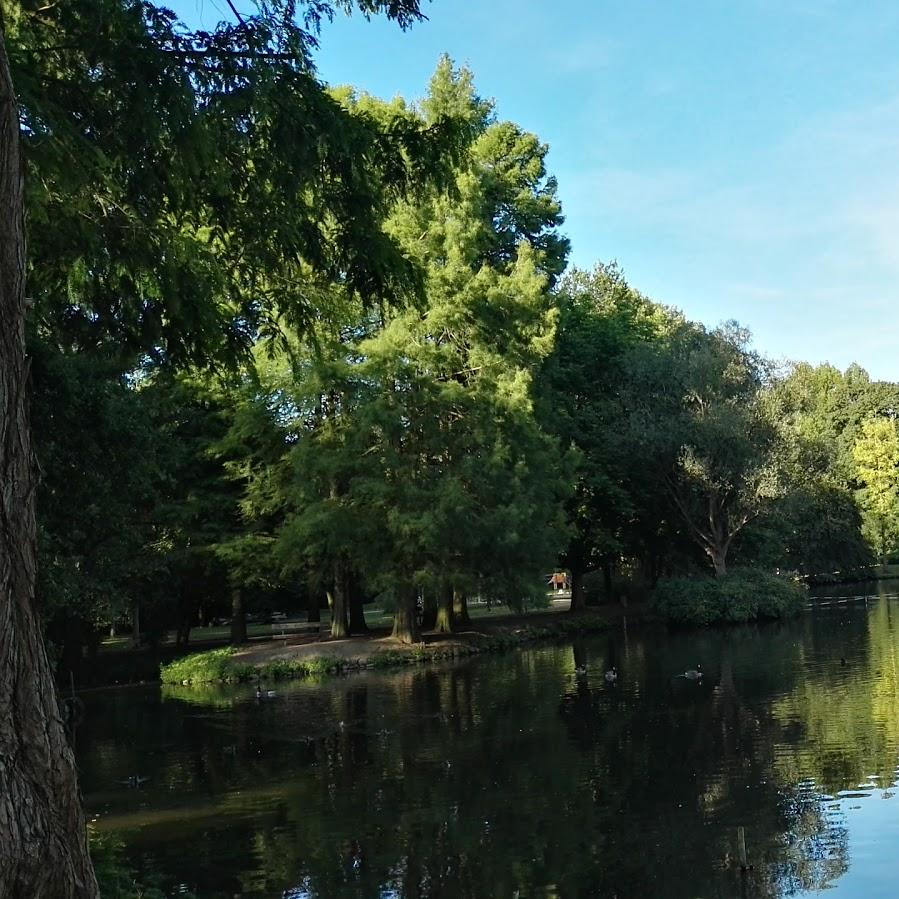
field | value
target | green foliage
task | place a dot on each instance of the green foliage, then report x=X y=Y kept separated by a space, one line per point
x=412 y=454
x=407 y=391
x=814 y=529
x=156 y=157
x=835 y=435
x=876 y=457
x=698 y=401
x=188 y=145
x=673 y=437
x=824 y=410
x=104 y=468
x=394 y=658
x=220 y=666
x=740 y=596
x=602 y=320
x=212 y=666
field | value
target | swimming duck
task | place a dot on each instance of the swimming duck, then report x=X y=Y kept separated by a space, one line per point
x=134 y=781
x=581 y=670
x=693 y=673
x=611 y=675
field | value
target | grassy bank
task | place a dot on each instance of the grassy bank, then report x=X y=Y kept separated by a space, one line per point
x=233 y=665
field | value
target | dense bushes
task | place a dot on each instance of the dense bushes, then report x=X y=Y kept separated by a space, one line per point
x=743 y=595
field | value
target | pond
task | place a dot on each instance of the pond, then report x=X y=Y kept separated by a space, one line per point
x=512 y=776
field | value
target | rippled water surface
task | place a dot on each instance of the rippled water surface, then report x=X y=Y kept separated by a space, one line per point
x=511 y=776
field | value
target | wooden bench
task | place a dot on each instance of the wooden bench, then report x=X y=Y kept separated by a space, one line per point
x=283 y=629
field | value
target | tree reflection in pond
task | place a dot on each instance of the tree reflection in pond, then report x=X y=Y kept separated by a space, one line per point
x=514 y=775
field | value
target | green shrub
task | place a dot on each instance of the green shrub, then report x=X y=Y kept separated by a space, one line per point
x=319 y=666
x=282 y=669
x=218 y=666
x=393 y=658
x=743 y=595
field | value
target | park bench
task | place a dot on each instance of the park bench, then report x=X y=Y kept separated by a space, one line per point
x=284 y=629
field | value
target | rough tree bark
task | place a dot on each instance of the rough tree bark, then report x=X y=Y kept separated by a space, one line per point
x=718 y=555
x=444 y=621
x=428 y=617
x=405 y=628
x=238 y=617
x=356 y=606
x=313 y=612
x=135 y=624
x=460 y=609
x=358 y=624
x=43 y=838
x=339 y=627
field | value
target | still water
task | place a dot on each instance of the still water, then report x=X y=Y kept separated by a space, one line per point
x=511 y=776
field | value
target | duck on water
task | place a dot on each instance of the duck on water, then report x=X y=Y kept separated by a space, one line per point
x=693 y=673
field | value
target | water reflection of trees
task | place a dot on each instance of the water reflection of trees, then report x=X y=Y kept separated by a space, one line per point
x=515 y=774
x=686 y=770
x=849 y=731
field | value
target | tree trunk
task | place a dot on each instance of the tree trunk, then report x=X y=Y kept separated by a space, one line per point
x=135 y=625
x=460 y=609
x=186 y=617
x=444 y=622
x=578 y=599
x=719 y=556
x=404 y=625
x=655 y=569
x=339 y=628
x=429 y=611
x=43 y=839
x=182 y=637
x=607 y=581
x=313 y=611
x=238 y=617
x=357 y=610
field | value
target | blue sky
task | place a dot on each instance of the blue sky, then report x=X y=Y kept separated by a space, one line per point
x=739 y=160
